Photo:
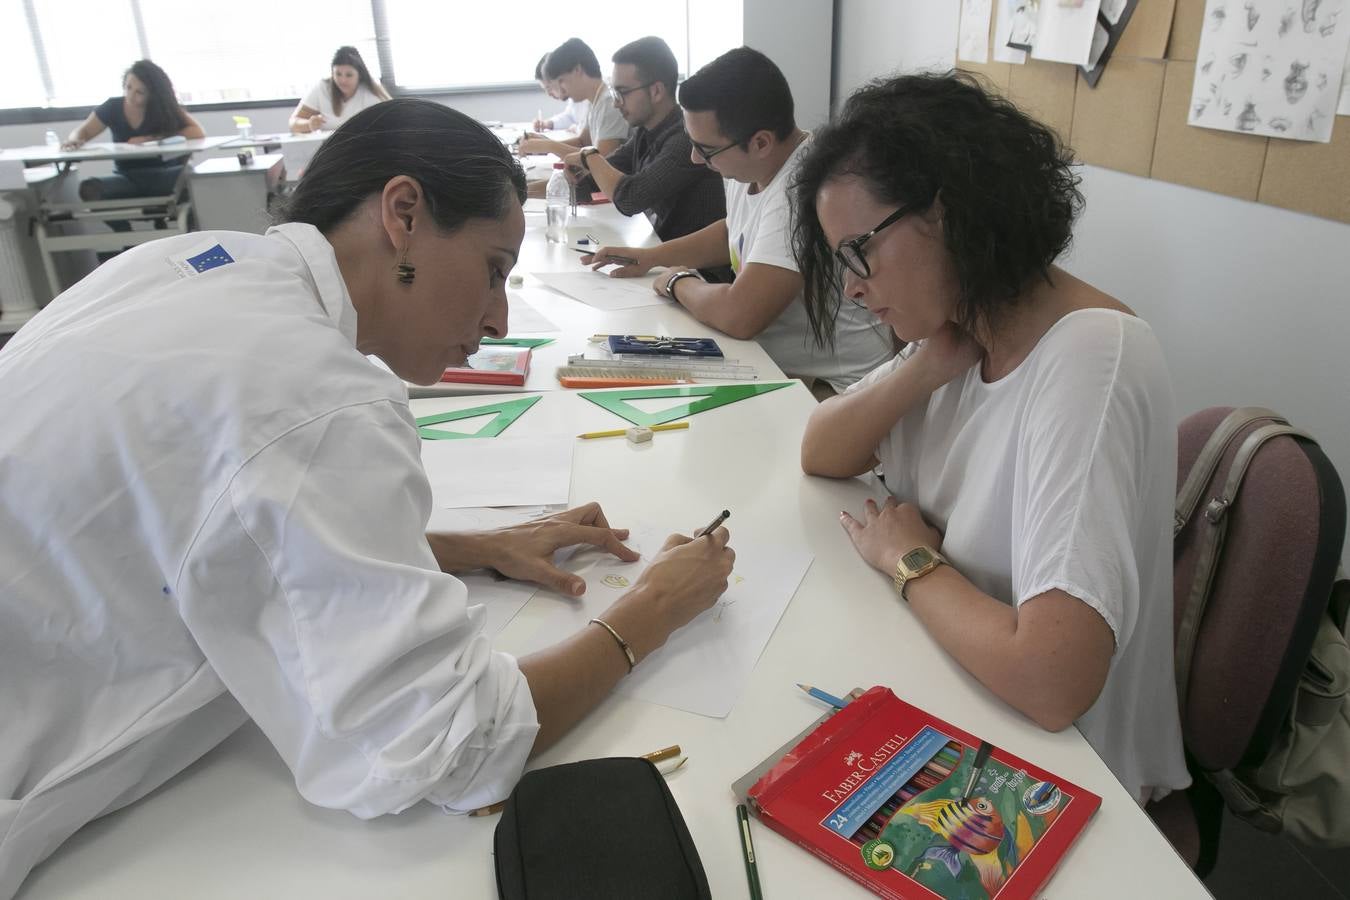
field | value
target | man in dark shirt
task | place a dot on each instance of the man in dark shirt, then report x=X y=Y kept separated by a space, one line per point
x=653 y=172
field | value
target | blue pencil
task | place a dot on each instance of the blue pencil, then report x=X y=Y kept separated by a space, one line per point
x=821 y=695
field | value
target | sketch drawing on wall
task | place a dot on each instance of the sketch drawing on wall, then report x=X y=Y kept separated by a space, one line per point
x=1271 y=75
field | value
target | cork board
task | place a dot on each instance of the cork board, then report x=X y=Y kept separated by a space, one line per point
x=1117 y=125
x=1186 y=24
x=1310 y=177
x=1135 y=120
x=1045 y=91
x=1218 y=161
x=1147 y=31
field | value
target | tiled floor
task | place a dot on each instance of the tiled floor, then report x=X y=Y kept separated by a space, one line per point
x=1257 y=866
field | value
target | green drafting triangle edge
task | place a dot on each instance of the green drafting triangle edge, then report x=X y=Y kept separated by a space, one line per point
x=712 y=396
x=507 y=412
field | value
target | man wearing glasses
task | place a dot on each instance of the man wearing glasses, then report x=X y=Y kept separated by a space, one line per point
x=653 y=172
x=738 y=113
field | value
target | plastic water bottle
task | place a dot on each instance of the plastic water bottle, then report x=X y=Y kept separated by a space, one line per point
x=558 y=199
x=53 y=139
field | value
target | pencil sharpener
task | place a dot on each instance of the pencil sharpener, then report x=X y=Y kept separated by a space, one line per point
x=640 y=434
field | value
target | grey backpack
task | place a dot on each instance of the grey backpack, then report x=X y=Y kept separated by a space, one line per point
x=1262 y=662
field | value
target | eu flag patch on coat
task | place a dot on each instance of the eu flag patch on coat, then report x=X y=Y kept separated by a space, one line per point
x=201 y=258
x=210 y=258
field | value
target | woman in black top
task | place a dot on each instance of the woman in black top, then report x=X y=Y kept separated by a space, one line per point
x=147 y=110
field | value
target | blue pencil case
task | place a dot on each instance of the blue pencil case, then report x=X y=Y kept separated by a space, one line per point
x=651 y=345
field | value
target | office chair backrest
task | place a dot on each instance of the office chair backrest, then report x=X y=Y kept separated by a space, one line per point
x=1259 y=533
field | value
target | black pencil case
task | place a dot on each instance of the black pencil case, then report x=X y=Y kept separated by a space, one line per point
x=598 y=828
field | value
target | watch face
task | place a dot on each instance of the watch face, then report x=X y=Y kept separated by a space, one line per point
x=917 y=558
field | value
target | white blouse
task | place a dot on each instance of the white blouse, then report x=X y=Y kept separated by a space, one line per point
x=1061 y=475
x=320 y=97
x=214 y=509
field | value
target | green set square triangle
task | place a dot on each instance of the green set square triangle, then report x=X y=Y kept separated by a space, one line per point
x=708 y=397
x=507 y=412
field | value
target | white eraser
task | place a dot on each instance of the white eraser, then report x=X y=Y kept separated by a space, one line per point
x=639 y=434
x=516 y=280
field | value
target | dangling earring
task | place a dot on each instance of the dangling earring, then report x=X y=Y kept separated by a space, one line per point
x=404 y=272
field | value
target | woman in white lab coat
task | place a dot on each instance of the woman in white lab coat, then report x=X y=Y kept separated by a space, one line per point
x=214 y=509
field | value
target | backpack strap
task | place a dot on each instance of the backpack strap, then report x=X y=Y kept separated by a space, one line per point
x=1211 y=539
x=1202 y=470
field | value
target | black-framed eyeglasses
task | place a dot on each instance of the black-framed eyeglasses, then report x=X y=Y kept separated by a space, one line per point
x=621 y=93
x=850 y=253
x=707 y=155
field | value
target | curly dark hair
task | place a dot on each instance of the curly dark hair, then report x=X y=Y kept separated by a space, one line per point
x=164 y=115
x=1003 y=180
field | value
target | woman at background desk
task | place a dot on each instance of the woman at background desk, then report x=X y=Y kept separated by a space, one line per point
x=348 y=90
x=228 y=520
x=148 y=110
x=1027 y=433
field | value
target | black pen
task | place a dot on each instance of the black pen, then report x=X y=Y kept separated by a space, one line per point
x=712 y=526
x=981 y=757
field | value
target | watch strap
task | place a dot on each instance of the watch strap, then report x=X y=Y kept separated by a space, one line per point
x=670 y=282
x=904 y=575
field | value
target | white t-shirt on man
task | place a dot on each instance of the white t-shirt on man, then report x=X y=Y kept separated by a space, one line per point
x=320 y=97
x=604 y=120
x=1062 y=475
x=759 y=231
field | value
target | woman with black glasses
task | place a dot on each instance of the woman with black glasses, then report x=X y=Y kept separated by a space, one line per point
x=1027 y=435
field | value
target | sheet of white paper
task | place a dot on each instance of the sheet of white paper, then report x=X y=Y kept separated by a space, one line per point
x=603 y=292
x=1064 y=33
x=1003 y=25
x=1271 y=69
x=501 y=471
x=704 y=666
x=973 y=45
x=1344 y=108
x=522 y=318
x=501 y=600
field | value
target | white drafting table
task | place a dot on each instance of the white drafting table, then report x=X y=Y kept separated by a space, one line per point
x=228 y=196
x=23 y=291
x=233 y=824
x=298 y=149
x=577 y=321
x=93 y=150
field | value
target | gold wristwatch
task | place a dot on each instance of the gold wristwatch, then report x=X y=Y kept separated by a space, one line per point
x=916 y=564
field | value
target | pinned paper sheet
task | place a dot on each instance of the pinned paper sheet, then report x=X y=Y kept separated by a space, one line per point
x=1271 y=69
x=1064 y=30
x=603 y=292
x=703 y=667
x=973 y=44
x=526 y=470
x=1008 y=13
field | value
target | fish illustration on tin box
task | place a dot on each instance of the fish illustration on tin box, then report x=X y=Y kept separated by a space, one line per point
x=971 y=827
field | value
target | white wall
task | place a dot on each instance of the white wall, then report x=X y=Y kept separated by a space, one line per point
x=1251 y=303
x=797 y=35
x=877 y=37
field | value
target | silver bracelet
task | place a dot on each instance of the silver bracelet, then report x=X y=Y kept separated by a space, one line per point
x=623 y=645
